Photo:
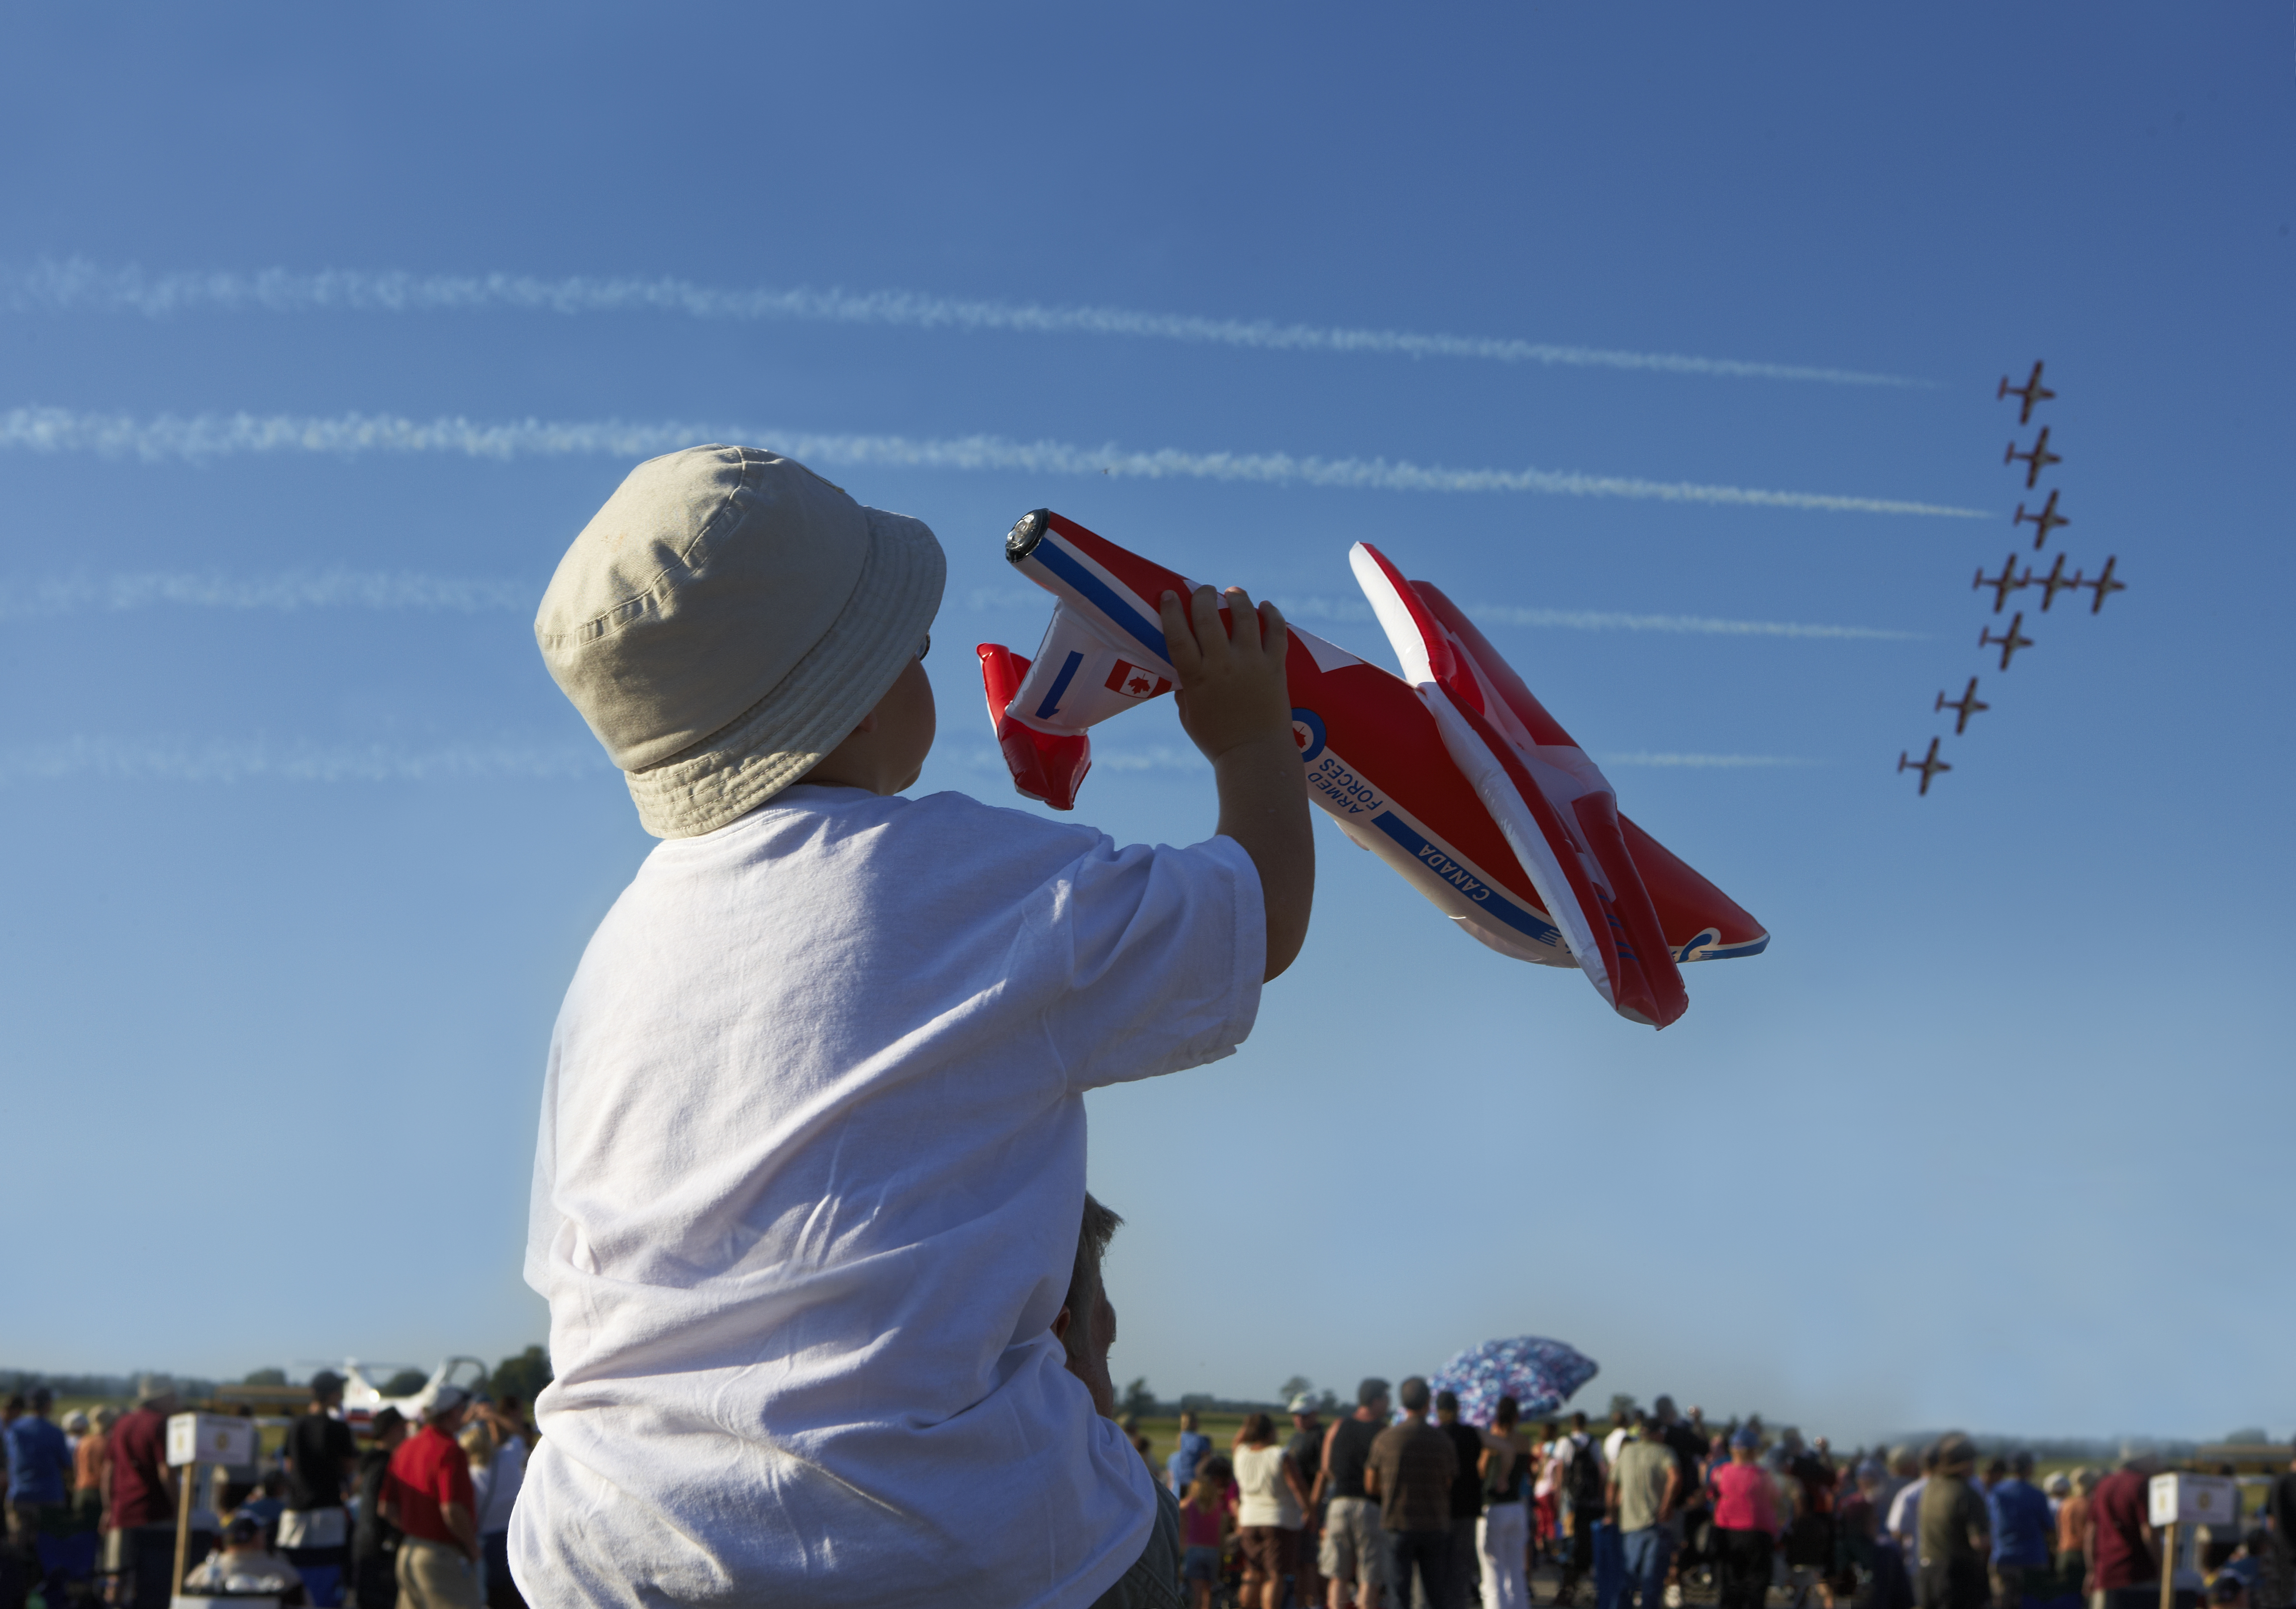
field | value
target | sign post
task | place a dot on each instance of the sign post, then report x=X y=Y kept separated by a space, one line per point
x=193 y=1440
x=2175 y=1501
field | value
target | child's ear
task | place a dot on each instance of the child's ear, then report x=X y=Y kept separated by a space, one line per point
x=1061 y=1322
x=868 y=723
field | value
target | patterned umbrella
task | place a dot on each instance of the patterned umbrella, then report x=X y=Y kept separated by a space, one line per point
x=1540 y=1374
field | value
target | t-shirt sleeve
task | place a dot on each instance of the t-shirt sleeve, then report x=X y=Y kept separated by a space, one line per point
x=1163 y=950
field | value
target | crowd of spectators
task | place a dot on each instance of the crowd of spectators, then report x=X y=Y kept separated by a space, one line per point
x=413 y=1515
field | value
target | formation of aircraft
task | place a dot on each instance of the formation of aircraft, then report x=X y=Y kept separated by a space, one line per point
x=2031 y=391
x=1967 y=705
x=2037 y=459
x=2009 y=642
x=2046 y=521
x=1929 y=764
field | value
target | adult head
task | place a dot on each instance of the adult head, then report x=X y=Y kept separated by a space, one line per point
x=1577 y=1422
x=388 y=1427
x=1302 y=1410
x=104 y=1418
x=76 y=1423
x=2141 y=1462
x=156 y=1396
x=1621 y=1418
x=477 y=1441
x=39 y=1400
x=2060 y=1486
x=1187 y=1419
x=1504 y=1417
x=1086 y=1324
x=1663 y=1409
x=727 y=621
x=447 y=1410
x=1997 y=1471
x=2020 y=1464
x=326 y=1392
x=1956 y=1455
x=1371 y=1398
x=1411 y=1394
x=1746 y=1445
x=508 y=1411
x=1258 y=1430
x=1905 y=1463
x=1447 y=1408
x=1929 y=1459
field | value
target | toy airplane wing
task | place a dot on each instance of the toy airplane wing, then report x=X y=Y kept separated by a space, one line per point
x=1458 y=778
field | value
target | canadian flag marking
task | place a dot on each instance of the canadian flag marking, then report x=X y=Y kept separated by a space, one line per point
x=1134 y=682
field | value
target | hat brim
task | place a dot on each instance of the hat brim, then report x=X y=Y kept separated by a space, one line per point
x=815 y=707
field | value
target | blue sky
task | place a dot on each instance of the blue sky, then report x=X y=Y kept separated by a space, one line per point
x=305 y=843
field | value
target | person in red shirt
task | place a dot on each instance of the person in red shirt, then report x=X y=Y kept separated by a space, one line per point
x=1746 y=1524
x=139 y=1538
x=2123 y=1558
x=427 y=1495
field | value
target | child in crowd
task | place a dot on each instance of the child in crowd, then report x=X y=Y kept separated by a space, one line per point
x=1204 y=1517
x=243 y=1564
x=811 y=1164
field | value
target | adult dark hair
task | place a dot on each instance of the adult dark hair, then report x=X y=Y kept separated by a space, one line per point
x=1504 y=1417
x=1412 y=1395
x=1258 y=1431
x=1099 y=1227
x=1372 y=1392
x=1577 y=1422
x=2022 y=1463
x=1446 y=1402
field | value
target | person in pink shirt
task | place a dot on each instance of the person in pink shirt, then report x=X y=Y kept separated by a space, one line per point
x=1746 y=1524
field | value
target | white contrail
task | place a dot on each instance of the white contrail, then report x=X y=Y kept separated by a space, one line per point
x=1349 y=610
x=79 y=284
x=205 y=436
x=330 y=589
x=163 y=759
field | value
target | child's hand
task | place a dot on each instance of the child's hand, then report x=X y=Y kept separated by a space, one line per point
x=1237 y=704
x=1232 y=688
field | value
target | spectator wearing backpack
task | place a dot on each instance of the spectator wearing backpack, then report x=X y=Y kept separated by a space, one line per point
x=1584 y=1489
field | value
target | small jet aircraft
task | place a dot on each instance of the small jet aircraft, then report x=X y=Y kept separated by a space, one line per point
x=2008 y=644
x=1967 y=705
x=2052 y=583
x=2104 y=585
x=2044 y=522
x=2033 y=391
x=2038 y=459
x=363 y=1398
x=2004 y=584
x=1929 y=764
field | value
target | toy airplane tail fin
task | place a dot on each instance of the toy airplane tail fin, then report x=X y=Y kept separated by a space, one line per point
x=1558 y=812
x=1049 y=766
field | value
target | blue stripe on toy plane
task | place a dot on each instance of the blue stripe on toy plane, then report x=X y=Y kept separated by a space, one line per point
x=1505 y=909
x=1060 y=686
x=1054 y=556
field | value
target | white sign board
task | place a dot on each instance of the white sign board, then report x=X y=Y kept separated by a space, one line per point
x=210 y=1438
x=2210 y=1500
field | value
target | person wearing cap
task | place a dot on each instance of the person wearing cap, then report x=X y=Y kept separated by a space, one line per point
x=320 y=1455
x=243 y=1566
x=1956 y=1534
x=1305 y=1447
x=812 y=1145
x=427 y=1494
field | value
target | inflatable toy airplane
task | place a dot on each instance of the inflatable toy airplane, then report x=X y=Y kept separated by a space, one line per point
x=1457 y=777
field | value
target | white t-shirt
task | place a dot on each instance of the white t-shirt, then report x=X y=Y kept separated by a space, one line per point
x=807 y=1195
x=1263 y=1496
x=505 y=1474
x=1905 y=1515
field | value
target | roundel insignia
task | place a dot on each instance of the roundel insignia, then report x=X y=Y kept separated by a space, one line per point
x=1308 y=732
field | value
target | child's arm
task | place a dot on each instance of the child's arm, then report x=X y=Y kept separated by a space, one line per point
x=1235 y=706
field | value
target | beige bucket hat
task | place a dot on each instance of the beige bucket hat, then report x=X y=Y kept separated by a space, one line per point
x=725 y=620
